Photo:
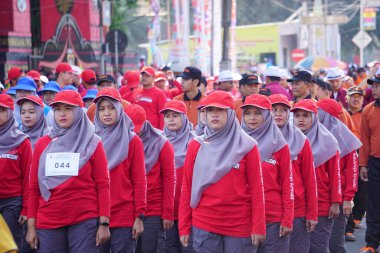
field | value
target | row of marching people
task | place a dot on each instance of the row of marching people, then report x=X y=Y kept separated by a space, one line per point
x=271 y=184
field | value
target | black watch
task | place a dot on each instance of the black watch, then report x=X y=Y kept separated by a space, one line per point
x=106 y=224
x=141 y=216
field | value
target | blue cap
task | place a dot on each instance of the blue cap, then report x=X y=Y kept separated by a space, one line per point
x=26 y=83
x=91 y=94
x=50 y=86
x=11 y=91
x=70 y=87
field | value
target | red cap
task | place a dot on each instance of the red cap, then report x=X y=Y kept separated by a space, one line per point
x=307 y=105
x=34 y=74
x=149 y=70
x=159 y=76
x=330 y=106
x=132 y=79
x=279 y=99
x=6 y=101
x=175 y=105
x=137 y=114
x=33 y=99
x=14 y=73
x=108 y=92
x=259 y=101
x=63 y=67
x=70 y=97
x=220 y=99
x=89 y=76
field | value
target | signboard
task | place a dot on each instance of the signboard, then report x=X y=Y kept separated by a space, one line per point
x=362 y=39
x=369 y=19
x=297 y=55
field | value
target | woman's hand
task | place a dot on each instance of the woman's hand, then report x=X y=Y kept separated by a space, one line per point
x=138 y=228
x=284 y=231
x=22 y=219
x=31 y=236
x=347 y=208
x=167 y=224
x=310 y=225
x=334 y=211
x=257 y=239
x=185 y=240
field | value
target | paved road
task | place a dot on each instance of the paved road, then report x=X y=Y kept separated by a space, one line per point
x=354 y=247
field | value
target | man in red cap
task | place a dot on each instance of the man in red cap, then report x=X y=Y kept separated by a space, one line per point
x=131 y=83
x=89 y=79
x=35 y=75
x=151 y=98
x=64 y=74
x=14 y=74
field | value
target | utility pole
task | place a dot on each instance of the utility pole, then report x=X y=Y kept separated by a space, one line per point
x=100 y=4
x=225 y=64
x=361 y=29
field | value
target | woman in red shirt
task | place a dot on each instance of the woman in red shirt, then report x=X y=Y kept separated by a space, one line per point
x=328 y=114
x=159 y=166
x=326 y=162
x=305 y=184
x=15 y=159
x=222 y=199
x=277 y=172
x=177 y=129
x=69 y=191
x=33 y=122
x=125 y=154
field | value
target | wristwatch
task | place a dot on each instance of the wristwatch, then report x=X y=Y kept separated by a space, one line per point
x=106 y=224
x=141 y=216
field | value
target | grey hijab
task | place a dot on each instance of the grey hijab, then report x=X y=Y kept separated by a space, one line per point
x=347 y=141
x=294 y=137
x=10 y=136
x=115 y=138
x=180 y=139
x=220 y=151
x=79 y=138
x=39 y=129
x=323 y=143
x=153 y=141
x=200 y=127
x=268 y=136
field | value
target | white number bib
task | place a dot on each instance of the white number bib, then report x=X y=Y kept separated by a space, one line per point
x=62 y=164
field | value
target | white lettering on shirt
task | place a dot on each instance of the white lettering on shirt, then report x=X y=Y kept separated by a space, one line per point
x=9 y=156
x=271 y=161
x=145 y=99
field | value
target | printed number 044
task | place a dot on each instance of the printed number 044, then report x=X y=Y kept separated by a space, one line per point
x=61 y=165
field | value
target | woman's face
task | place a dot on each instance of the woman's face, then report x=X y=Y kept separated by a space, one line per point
x=280 y=114
x=216 y=118
x=3 y=115
x=64 y=115
x=28 y=114
x=107 y=112
x=253 y=117
x=172 y=120
x=302 y=119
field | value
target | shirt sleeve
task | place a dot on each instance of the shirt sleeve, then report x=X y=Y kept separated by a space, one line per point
x=365 y=137
x=287 y=185
x=335 y=180
x=255 y=182
x=351 y=176
x=26 y=159
x=185 y=211
x=309 y=181
x=34 y=190
x=168 y=175
x=138 y=176
x=102 y=180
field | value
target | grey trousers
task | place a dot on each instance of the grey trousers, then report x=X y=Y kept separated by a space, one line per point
x=273 y=242
x=76 y=238
x=173 y=244
x=299 y=238
x=207 y=242
x=10 y=209
x=152 y=239
x=121 y=241
x=337 y=238
x=320 y=237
